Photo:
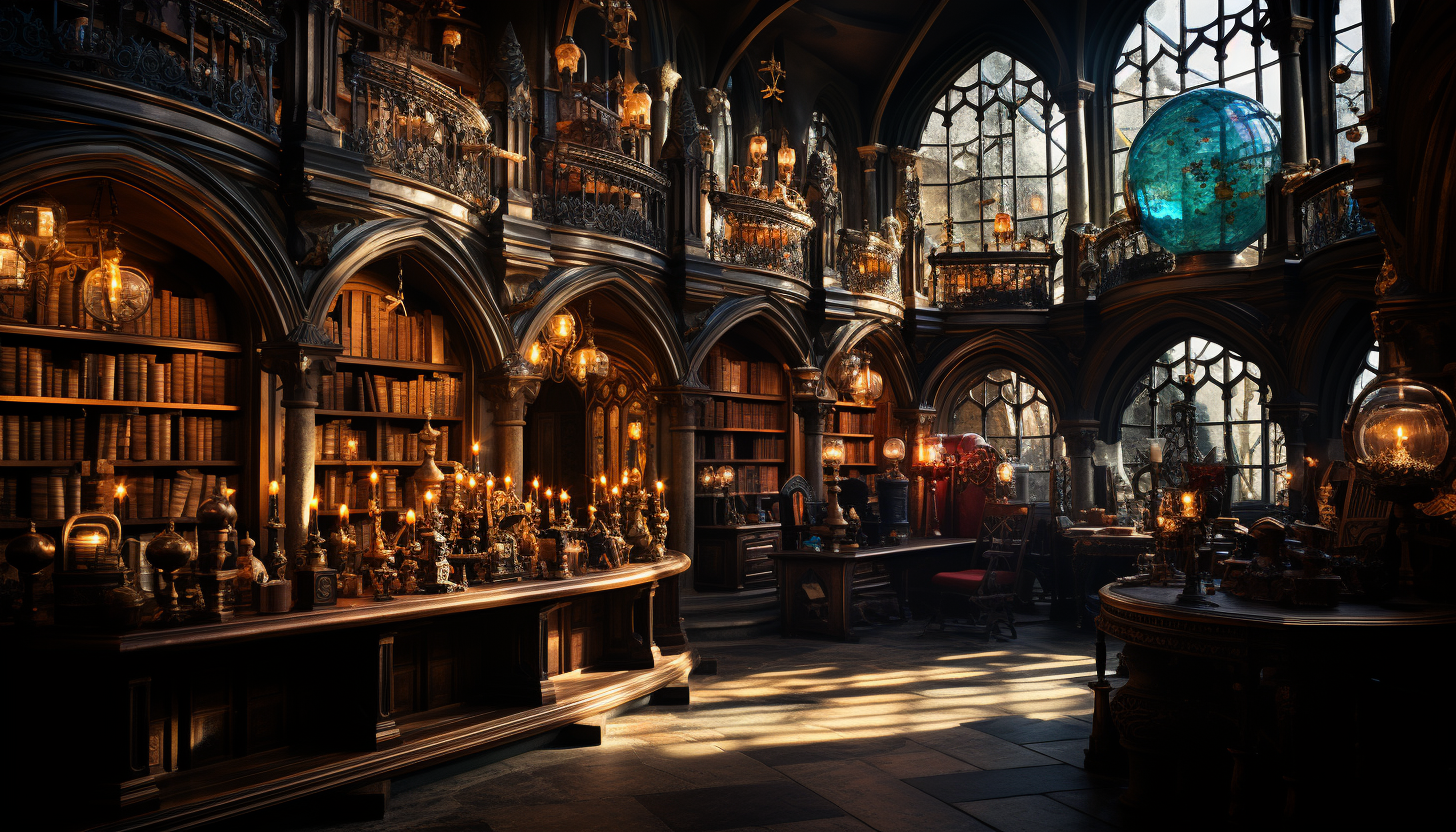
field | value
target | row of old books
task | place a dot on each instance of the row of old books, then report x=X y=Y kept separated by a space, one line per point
x=728 y=375
x=371 y=392
x=850 y=421
x=399 y=444
x=166 y=497
x=754 y=415
x=191 y=378
x=331 y=441
x=42 y=437
x=9 y=490
x=755 y=479
x=161 y=437
x=369 y=325
x=392 y=443
x=727 y=446
x=859 y=452
x=169 y=316
x=350 y=486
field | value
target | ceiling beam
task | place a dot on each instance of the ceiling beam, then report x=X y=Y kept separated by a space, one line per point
x=902 y=62
x=758 y=19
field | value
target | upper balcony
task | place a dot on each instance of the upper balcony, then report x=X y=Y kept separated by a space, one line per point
x=421 y=130
x=752 y=232
x=1327 y=210
x=966 y=281
x=217 y=55
x=591 y=175
x=1122 y=253
x=868 y=264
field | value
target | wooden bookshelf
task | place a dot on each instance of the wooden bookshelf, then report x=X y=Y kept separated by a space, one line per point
x=395 y=367
x=158 y=405
x=745 y=421
x=862 y=429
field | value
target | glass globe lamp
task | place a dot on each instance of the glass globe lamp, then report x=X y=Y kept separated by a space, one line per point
x=757 y=149
x=561 y=329
x=37 y=226
x=568 y=57
x=833 y=453
x=115 y=294
x=725 y=475
x=707 y=477
x=1398 y=432
x=894 y=450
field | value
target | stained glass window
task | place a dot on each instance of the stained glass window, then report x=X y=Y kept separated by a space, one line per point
x=1012 y=414
x=1231 y=418
x=1350 y=100
x=995 y=143
x=1369 y=368
x=1182 y=45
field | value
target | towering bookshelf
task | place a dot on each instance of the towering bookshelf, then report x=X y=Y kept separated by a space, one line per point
x=862 y=427
x=745 y=421
x=158 y=406
x=395 y=368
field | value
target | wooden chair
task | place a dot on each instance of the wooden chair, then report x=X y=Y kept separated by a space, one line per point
x=990 y=586
x=796 y=511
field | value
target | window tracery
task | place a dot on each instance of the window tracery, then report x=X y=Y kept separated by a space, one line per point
x=1011 y=413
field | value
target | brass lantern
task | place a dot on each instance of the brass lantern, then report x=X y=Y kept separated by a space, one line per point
x=1004 y=229
x=590 y=360
x=757 y=149
x=637 y=107
x=568 y=57
x=12 y=266
x=786 y=158
x=112 y=293
x=37 y=227
x=561 y=331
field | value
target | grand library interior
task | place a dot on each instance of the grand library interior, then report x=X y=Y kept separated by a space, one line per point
x=702 y=416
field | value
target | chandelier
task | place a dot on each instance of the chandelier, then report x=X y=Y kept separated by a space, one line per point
x=553 y=356
x=36 y=229
x=854 y=377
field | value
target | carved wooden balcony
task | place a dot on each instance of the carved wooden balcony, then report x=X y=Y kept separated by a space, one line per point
x=1328 y=212
x=415 y=127
x=597 y=189
x=758 y=233
x=869 y=264
x=973 y=280
x=218 y=55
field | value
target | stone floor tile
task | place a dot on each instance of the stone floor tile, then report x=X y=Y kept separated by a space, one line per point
x=1032 y=813
x=1101 y=803
x=617 y=814
x=703 y=764
x=728 y=807
x=1022 y=729
x=981 y=750
x=841 y=749
x=879 y=799
x=573 y=781
x=985 y=785
x=918 y=763
x=1070 y=752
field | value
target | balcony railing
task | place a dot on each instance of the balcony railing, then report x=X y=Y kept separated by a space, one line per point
x=968 y=280
x=1328 y=212
x=214 y=54
x=1123 y=253
x=599 y=190
x=420 y=129
x=869 y=263
x=758 y=233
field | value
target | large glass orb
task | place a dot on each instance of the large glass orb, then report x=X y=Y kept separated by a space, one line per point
x=1198 y=168
x=1400 y=431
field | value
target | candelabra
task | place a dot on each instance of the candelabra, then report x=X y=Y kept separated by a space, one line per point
x=343 y=549
x=318 y=583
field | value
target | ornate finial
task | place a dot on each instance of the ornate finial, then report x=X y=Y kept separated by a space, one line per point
x=775 y=72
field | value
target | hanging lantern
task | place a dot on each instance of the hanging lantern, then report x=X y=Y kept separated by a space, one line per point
x=869 y=387
x=37 y=227
x=561 y=331
x=589 y=360
x=637 y=107
x=786 y=161
x=1339 y=74
x=849 y=368
x=1353 y=135
x=1004 y=228
x=12 y=266
x=112 y=293
x=757 y=149
x=568 y=57
x=1398 y=432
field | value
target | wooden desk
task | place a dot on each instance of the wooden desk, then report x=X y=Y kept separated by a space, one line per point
x=1099 y=557
x=816 y=588
x=731 y=558
x=1327 y=716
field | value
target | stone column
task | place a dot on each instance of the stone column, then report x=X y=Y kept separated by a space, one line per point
x=511 y=387
x=308 y=67
x=1070 y=100
x=1287 y=35
x=667 y=79
x=680 y=472
x=869 y=156
x=1294 y=418
x=814 y=412
x=1080 y=437
x=300 y=360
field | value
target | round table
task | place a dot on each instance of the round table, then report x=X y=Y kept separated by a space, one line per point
x=1318 y=715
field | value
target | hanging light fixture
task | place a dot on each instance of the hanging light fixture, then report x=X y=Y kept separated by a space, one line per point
x=37 y=227
x=561 y=331
x=1004 y=229
x=568 y=57
x=757 y=149
x=786 y=158
x=12 y=266
x=637 y=108
x=111 y=293
x=589 y=360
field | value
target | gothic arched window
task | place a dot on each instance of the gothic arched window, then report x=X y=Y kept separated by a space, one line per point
x=995 y=143
x=1012 y=414
x=1231 y=418
x=1182 y=45
x=1350 y=98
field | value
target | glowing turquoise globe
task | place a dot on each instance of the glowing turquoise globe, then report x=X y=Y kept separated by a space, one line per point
x=1198 y=168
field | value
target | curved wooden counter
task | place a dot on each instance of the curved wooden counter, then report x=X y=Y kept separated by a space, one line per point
x=190 y=725
x=1268 y=710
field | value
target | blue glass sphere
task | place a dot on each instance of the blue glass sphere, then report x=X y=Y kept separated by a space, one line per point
x=1198 y=168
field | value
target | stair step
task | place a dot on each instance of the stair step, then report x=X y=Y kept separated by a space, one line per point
x=731 y=626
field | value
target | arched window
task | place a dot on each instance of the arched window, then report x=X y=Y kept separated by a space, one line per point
x=1350 y=98
x=995 y=143
x=1369 y=368
x=1230 y=394
x=1182 y=45
x=1012 y=414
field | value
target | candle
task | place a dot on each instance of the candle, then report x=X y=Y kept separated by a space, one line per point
x=475 y=452
x=409 y=521
x=535 y=490
x=489 y=495
x=550 y=509
x=353 y=449
x=374 y=486
x=120 y=497
x=273 y=501
x=616 y=492
x=1155 y=453
x=508 y=486
x=313 y=507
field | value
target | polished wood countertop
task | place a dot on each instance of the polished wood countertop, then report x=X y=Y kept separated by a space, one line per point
x=1161 y=602
x=919 y=545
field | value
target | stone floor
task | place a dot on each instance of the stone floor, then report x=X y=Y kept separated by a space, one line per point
x=902 y=732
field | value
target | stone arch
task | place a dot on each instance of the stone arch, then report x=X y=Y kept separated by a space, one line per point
x=785 y=323
x=990 y=350
x=248 y=251
x=890 y=349
x=657 y=318
x=459 y=276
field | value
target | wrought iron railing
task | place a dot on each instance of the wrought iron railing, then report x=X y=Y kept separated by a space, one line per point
x=965 y=280
x=599 y=190
x=869 y=264
x=1124 y=253
x=214 y=54
x=1328 y=212
x=758 y=233
x=418 y=128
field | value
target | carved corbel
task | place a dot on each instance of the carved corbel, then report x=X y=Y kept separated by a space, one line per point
x=300 y=359
x=512 y=385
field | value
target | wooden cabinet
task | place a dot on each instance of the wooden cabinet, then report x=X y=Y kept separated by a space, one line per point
x=735 y=557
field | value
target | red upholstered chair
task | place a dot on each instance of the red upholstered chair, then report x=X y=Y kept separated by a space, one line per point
x=990 y=586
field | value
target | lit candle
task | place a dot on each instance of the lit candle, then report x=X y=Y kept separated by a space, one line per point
x=508 y=484
x=1189 y=510
x=616 y=493
x=353 y=449
x=659 y=495
x=489 y=498
x=550 y=509
x=475 y=452
x=120 y=497
x=565 y=506
x=343 y=516
x=313 y=507
x=409 y=521
x=374 y=486
x=273 y=501
x=535 y=490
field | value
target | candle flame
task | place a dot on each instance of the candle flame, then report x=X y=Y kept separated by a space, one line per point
x=429 y=496
x=120 y=491
x=373 y=477
x=409 y=517
x=343 y=513
x=471 y=483
x=273 y=488
x=659 y=486
x=475 y=448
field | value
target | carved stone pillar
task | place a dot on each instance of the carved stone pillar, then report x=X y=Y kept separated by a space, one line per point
x=512 y=386
x=814 y=412
x=1081 y=438
x=300 y=360
x=1294 y=418
x=1070 y=100
x=1287 y=35
x=682 y=161
x=682 y=408
x=667 y=80
x=308 y=71
x=912 y=223
x=869 y=157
